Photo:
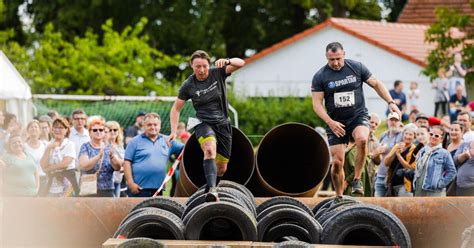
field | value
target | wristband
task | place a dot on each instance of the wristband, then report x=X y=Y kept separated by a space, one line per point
x=392 y=101
x=227 y=61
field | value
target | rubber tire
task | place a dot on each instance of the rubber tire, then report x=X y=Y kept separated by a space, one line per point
x=283 y=200
x=164 y=203
x=134 y=212
x=214 y=210
x=322 y=216
x=375 y=218
x=241 y=196
x=275 y=207
x=293 y=244
x=293 y=216
x=324 y=204
x=201 y=199
x=231 y=200
x=287 y=229
x=141 y=243
x=240 y=187
x=154 y=216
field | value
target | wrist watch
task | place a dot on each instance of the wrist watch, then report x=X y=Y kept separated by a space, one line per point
x=227 y=61
x=392 y=101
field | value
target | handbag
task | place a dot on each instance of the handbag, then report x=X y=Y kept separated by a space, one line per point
x=88 y=186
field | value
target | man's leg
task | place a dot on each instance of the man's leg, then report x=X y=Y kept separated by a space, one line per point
x=337 y=171
x=209 y=163
x=361 y=136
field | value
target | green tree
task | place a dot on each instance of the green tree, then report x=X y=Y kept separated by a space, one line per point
x=441 y=33
x=118 y=64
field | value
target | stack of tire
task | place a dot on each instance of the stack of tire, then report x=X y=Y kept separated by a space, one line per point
x=351 y=222
x=232 y=218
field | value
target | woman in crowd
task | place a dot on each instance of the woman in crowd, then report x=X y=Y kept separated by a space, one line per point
x=399 y=160
x=18 y=173
x=434 y=167
x=58 y=161
x=455 y=136
x=35 y=148
x=97 y=157
x=115 y=139
x=464 y=159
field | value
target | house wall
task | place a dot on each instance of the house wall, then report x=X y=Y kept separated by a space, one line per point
x=289 y=70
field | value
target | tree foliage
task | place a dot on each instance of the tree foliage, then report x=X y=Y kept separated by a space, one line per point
x=121 y=63
x=445 y=34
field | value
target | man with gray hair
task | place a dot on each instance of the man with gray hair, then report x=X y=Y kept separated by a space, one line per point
x=373 y=145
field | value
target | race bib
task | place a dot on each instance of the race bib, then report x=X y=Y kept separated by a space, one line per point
x=344 y=99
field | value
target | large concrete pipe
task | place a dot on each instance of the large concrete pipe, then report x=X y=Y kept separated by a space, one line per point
x=240 y=168
x=292 y=159
x=88 y=222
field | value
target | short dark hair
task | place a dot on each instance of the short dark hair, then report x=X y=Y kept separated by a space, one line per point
x=458 y=123
x=200 y=54
x=77 y=112
x=397 y=83
x=465 y=113
x=334 y=46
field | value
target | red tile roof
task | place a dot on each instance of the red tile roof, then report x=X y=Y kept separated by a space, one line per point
x=404 y=40
x=423 y=11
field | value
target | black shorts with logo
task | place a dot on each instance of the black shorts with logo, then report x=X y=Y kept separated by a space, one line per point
x=221 y=132
x=362 y=120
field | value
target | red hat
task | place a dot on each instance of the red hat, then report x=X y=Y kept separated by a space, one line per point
x=184 y=135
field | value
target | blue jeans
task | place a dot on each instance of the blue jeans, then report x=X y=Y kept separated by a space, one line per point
x=380 y=186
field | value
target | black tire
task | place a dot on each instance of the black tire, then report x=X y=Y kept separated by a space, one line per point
x=154 y=223
x=333 y=209
x=322 y=206
x=283 y=200
x=365 y=225
x=275 y=207
x=241 y=224
x=164 y=203
x=249 y=202
x=134 y=212
x=240 y=187
x=231 y=200
x=292 y=244
x=280 y=232
x=289 y=215
x=234 y=188
x=141 y=243
x=201 y=199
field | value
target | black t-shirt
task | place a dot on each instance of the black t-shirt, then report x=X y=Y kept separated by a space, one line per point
x=343 y=92
x=209 y=97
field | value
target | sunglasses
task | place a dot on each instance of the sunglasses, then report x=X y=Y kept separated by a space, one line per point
x=435 y=135
x=113 y=130
x=98 y=130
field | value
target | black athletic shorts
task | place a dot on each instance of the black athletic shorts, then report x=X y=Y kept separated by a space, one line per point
x=349 y=127
x=221 y=133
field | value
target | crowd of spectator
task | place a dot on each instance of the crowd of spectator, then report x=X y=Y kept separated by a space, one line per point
x=49 y=155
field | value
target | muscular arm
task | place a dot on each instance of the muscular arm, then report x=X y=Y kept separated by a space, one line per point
x=318 y=107
x=235 y=64
x=174 y=114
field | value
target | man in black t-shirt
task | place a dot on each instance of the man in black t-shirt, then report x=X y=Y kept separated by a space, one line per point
x=339 y=85
x=207 y=90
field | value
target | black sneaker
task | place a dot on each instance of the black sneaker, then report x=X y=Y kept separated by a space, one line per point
x=357 y=188
x=212 y=195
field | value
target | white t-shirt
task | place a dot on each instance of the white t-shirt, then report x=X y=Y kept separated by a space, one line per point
x=468 y=136
x=37 y=154
x=66 y=149
x=78 y=139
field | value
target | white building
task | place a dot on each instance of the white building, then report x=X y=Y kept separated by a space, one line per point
x=391 y=51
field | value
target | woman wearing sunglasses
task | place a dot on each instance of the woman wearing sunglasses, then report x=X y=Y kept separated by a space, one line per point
x=434 y=166
x=97 y=157
x=115 y=139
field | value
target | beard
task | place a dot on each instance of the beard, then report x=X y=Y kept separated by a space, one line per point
x=393 y=129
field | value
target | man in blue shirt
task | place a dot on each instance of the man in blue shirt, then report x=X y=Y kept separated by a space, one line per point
x=146 y=158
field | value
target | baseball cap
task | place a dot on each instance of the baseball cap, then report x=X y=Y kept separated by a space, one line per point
x=141 y=113
x=393 y=115
x=421 y=116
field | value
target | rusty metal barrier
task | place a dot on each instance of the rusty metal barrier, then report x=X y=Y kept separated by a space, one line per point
x=292 y=159
x=88 y=222
x=239 y=169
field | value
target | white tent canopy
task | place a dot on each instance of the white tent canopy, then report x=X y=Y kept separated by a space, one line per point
x=15 y=93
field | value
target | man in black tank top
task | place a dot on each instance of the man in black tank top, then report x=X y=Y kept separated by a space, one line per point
x=207 y=90
x=339 y=85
